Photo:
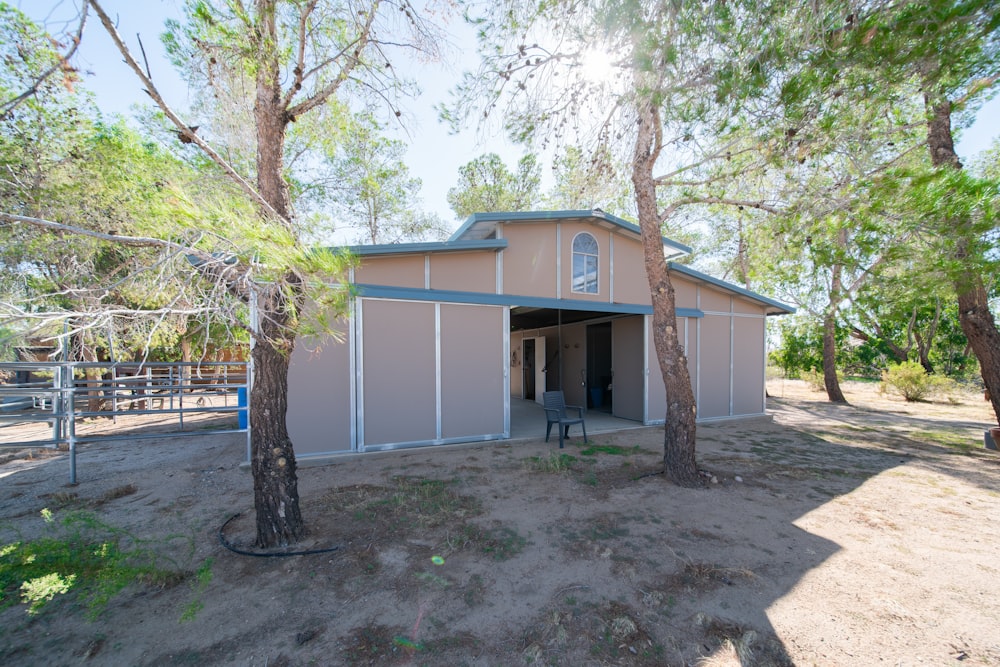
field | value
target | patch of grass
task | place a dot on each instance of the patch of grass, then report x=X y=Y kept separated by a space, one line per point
x=502 y=543
x=611 y=450
x=63 y=499
x=80 y=554
x=705 y=576
x=475 y=591
x=604 y=529
x=115 y=493
x=741 y=645
x=553 y=463
x=433 y=579
x=202 y=578
x=375 y=644
x=952 y=439
x=622 y=637
x=409 y=503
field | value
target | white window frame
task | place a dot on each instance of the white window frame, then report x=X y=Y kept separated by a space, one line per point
x=597 y=266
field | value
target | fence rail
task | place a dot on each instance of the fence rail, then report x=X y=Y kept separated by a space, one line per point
x=62 y=404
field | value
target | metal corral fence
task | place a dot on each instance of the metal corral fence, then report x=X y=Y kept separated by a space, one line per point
x=62 y=404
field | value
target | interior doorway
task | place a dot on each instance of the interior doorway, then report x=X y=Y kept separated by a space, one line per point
x=599 y=370
x=533 y=369
x=528 y=368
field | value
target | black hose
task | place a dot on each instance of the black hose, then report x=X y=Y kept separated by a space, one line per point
x=284 y=554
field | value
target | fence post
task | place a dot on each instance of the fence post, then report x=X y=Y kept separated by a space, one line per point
x=67 y=395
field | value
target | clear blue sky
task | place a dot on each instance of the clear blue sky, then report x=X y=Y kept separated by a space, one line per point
x=434 y=155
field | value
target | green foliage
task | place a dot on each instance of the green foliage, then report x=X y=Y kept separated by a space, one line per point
x=801 y=347
x=814 y=379
x=585 y=181
x=374 y=192
x=487 y=185
x=80 y=554
x=911 y=381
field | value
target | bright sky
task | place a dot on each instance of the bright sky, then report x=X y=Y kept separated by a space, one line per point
x=434 y=155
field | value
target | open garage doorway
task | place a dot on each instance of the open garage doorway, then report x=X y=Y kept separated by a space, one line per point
x=599 y=371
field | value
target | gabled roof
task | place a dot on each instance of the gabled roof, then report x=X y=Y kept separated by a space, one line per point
x=480 y=226
x=772 y=307
x=478 y=233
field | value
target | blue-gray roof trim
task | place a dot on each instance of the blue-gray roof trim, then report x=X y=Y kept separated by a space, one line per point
x=427 y=247
x=542 y=216
x=780 y=308
x=451 y=296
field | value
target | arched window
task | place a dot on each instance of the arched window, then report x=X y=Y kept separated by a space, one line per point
x=585 y=263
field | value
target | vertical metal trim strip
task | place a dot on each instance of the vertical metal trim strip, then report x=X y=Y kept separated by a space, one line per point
x=732 y=359
x=647 y=323
x=697 y=354
x=505 y=365
x=352 y=353
x=611 y=267
x=558 y=260
x=499 y=262
x=360 y=374
x=437 y=368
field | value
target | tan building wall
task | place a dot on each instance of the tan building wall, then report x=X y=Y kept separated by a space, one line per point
x=398 y=271
x=472 y=370
x=319 y=396
x=748 y=365
x=629 y=364
x=529 y=263
x=630 y=284
x=464 y=272
x=714 y=367
x=685 y=291
x=398 y=353
x=713 y=300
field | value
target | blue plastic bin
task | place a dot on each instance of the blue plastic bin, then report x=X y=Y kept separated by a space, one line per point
x=241 y=401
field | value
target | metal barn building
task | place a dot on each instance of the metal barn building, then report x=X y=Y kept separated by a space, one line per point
x=443 y=337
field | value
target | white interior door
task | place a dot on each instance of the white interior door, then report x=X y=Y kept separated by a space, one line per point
x=539 y=368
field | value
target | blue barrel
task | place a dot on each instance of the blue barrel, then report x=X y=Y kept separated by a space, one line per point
x=241 y=401
x=596 y=397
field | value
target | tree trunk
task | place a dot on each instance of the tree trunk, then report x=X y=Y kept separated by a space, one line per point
x=276 y=492
x=830 y=380
x=973 y=301
x=679 y=430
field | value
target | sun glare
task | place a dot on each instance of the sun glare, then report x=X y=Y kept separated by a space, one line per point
x=597 y=66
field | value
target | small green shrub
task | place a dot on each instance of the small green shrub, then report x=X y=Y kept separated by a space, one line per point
x=911 y=381
x=816 y=380
x=82 y=554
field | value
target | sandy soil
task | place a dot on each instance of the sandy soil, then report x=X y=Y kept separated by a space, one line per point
x=829 y=535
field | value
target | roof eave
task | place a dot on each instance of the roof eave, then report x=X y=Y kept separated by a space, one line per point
x=771 y=307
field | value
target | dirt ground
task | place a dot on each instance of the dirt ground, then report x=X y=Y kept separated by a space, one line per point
x=829 y=535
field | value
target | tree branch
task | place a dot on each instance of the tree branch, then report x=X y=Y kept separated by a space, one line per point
x=7 y=107
x=134 y=241
x=324 y=94
x=185 y=130
x=687 y=201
